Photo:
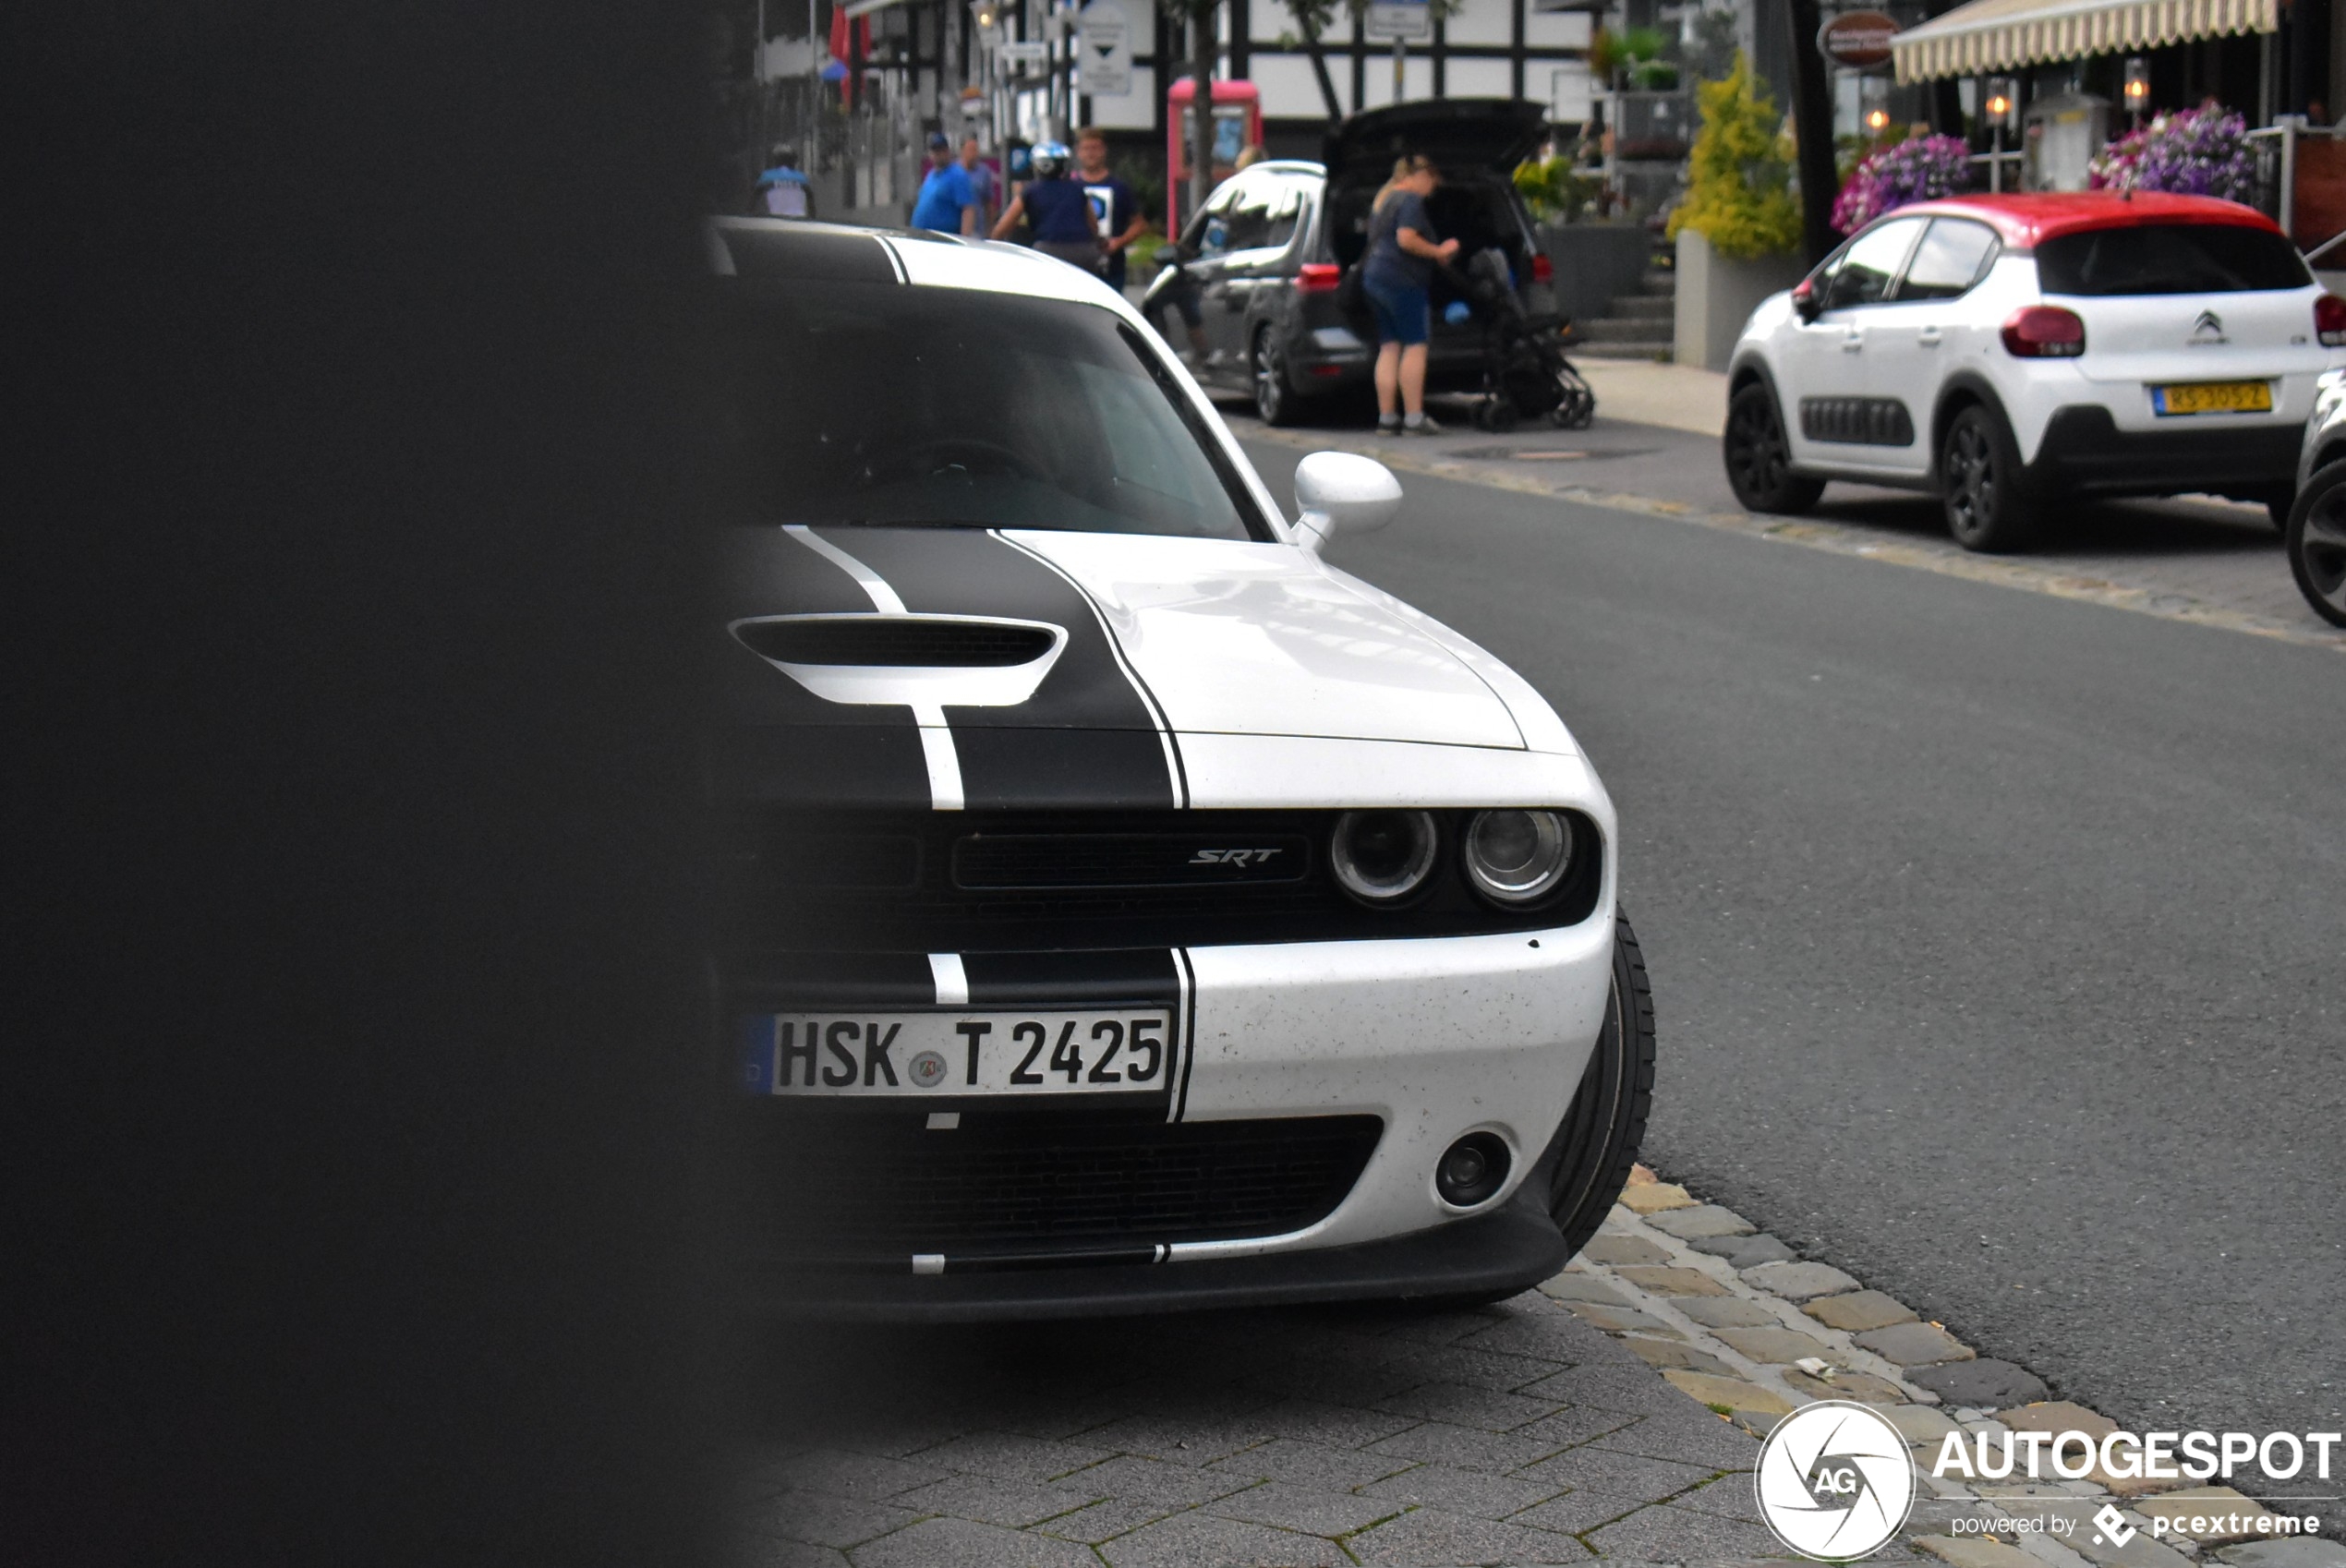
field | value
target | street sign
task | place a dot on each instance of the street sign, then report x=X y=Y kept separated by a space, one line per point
x=1104 y=47
x=1859 y=40
x=1391 y=19
x=1032 y=53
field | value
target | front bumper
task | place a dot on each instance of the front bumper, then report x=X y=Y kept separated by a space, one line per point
x=1508 y=1249
x=1433 y=1038
x=2085 y=453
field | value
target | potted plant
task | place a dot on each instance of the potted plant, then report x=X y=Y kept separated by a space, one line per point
x=1922 y=168
x=1739 y=229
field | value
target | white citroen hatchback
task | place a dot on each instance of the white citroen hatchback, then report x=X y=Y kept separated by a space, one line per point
x=2008 y=351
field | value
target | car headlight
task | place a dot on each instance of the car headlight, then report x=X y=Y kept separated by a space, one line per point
x=1516 y=857
x=1382 y=856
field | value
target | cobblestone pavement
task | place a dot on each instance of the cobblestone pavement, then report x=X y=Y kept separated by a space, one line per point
x=1614 y=1414
x=2215 y=563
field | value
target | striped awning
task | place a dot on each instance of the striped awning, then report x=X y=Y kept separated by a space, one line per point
x=1997 y=35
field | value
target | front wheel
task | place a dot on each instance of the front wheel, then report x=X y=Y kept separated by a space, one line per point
x=2317 y=543
x=1758 y=457
x=1979 y=473
x=1606 y=1120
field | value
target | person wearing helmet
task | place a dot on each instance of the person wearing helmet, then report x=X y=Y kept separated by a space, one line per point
x=1057 y=211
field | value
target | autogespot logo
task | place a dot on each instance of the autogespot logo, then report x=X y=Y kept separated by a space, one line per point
x=1834 y=1483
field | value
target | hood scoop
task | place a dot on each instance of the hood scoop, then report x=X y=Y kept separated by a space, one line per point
x=908 y=660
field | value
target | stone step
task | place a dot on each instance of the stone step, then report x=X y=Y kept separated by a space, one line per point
x=1655 y=350
x=1644 y=306
x=1658 y=280
x=1621 y=328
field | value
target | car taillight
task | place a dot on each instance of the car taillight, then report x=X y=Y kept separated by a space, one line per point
x=2329 y=321
x=2044 y=331
x=1317 y=277
x=1542 y=270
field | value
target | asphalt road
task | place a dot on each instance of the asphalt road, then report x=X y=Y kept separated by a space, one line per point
x=1999 y=941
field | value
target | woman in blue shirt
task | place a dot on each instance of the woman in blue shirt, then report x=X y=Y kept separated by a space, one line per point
x=1396 y=275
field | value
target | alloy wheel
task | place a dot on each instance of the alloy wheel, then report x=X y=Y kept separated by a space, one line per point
x=1270 y=380
x=2321 y=553
x=1971 y=481
x=1755 y=447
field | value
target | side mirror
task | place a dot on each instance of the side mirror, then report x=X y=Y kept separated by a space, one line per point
x=1342 y=492
x=1805 y=303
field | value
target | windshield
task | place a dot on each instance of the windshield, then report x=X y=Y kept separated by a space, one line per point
x=856 y=403
x=2168 y=258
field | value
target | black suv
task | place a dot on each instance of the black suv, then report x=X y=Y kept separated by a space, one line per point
x=1268 y=249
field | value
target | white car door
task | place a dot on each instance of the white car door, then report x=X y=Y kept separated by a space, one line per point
x=1824 y=406
x=1916 y=337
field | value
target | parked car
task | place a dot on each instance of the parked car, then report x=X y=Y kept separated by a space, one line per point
x=2006 y=352
x=2317 y=529
x=1265 y=254
x=1133 y=909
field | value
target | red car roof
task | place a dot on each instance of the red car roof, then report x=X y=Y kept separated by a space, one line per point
x=2023 y=221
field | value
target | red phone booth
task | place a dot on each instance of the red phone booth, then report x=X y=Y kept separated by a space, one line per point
x=1237 y=125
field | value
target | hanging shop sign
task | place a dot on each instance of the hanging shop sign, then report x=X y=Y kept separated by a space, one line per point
x=1859 y=40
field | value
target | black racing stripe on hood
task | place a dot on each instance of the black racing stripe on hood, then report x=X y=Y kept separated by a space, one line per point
x=1086 y=737
x=764 y=570
x=820 y=765
x=1140 y=974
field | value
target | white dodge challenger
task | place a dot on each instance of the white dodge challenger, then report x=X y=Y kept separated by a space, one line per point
x=1132 y=911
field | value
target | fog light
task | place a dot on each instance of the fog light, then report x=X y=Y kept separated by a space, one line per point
x=1381 y=856
x=1471 y=1170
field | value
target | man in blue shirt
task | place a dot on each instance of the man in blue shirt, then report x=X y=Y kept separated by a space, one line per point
x=946 y=202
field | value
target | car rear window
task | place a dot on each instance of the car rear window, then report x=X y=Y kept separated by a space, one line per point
x=2170 y=259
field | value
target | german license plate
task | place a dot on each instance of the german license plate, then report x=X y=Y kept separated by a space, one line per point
x=2213 y=397
x=1036 y=1051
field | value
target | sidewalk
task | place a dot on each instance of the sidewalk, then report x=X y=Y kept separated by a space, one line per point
x=1677 y=397
x=1613 y=1415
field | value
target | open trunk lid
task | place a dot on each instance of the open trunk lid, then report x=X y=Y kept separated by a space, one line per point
x=1459 y=134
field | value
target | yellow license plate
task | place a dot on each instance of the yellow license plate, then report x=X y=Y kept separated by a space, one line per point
x=2214 y=397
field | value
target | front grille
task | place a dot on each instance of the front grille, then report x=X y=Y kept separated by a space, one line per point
x=870 y=1184
x=873 y=640
x=1012 y=860
x=1025 y=882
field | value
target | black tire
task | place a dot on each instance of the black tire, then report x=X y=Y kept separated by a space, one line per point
x=2316 y=541
x=1979 y=484
x=1758 y=457
x=1606 y=1120
x=1275 y=403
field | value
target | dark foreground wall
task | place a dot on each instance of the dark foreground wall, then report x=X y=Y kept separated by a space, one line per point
x=354 y=1124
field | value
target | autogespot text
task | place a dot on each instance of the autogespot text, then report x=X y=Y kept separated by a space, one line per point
x=2157 y=1456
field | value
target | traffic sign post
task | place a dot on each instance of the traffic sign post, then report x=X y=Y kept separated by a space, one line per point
x=1400 y=20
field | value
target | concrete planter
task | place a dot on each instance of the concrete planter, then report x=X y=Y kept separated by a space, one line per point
x=1717 y=296
x=1595 y=264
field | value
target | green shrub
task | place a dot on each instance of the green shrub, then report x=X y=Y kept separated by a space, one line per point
x=1554 y=188
x=1739 y=183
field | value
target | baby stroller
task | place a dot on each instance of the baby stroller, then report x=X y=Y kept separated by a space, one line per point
x=1525 y=374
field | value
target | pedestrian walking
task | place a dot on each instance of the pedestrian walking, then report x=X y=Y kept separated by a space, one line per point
x=946 y=202
x=1115 y=210
x=983 y=185
x=1056 y=212
x=1396 y=275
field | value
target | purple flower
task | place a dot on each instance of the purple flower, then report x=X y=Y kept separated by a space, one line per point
x=2201 y=152
x=1920 y=169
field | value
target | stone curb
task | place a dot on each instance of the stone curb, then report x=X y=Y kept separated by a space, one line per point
x=1731 y=1339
